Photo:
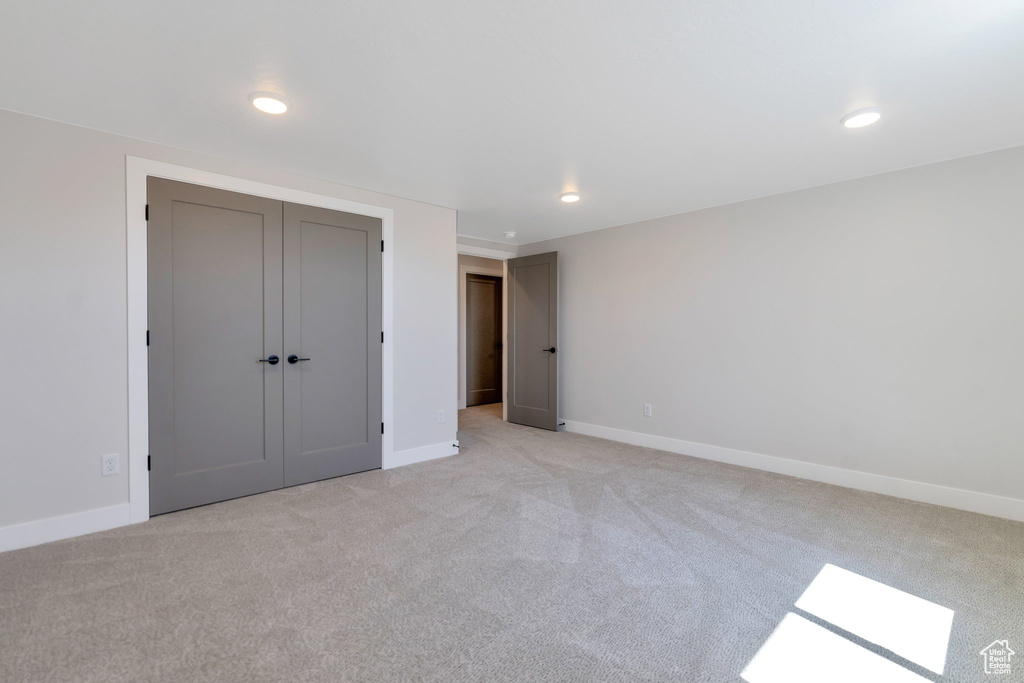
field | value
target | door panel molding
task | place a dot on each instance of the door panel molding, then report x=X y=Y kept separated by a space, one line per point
x=137 y=170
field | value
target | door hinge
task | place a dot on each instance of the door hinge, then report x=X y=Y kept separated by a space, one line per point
x=147 y=212
x=382 y=336
x=382 y=246
x=149 y=463
x=147 y=337
x=381 y=427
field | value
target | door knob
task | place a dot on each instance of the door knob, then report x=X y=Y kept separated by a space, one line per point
x=273 y=360
x=551 y=350
x=293 y=359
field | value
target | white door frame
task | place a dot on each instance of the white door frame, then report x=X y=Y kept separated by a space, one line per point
x=473 y=250
x=136 y=171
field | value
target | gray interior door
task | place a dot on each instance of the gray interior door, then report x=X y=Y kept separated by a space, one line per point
x=332 y=355
x=533 y=340
x=265 y=344
x=483 y=339
x=215 y=311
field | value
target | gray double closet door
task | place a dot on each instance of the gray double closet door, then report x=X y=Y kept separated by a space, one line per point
x=264 y=344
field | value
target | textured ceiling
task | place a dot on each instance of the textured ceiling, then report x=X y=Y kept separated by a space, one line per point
x=648 y=108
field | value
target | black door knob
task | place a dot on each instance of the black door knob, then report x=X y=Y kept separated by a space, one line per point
x=293 y=359
x=273 y=360
x=551 y=350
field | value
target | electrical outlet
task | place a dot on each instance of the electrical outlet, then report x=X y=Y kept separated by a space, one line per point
x=110 y=464
x=440 y=416
x=648 y=411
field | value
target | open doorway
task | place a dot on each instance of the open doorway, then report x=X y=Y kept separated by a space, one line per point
x=523 y=292
x=484 y=340
x=481 y=337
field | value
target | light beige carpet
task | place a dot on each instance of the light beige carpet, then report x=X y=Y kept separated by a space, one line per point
x=530 y=556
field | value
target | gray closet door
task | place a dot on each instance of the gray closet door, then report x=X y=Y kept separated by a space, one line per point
x=533 y=338
x=483 y=339
x=333 y=334
x=215 y=310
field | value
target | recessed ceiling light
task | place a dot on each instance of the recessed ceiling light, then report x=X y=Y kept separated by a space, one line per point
x=570 y=197
x=269 y=103
x=511 y=234
x=862 y=117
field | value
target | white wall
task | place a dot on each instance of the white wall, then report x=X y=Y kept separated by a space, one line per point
x=63 y=311
x=475 y=264
x=875 y=325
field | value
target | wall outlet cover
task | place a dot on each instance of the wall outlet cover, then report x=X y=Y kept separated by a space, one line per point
x=648 y=410
x=440 y=416
x=110 y=464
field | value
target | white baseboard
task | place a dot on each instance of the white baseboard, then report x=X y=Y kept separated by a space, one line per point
x=462 y=404
x=962 y=499
x=421 y=454
x=28 y=534
x=39 y=531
